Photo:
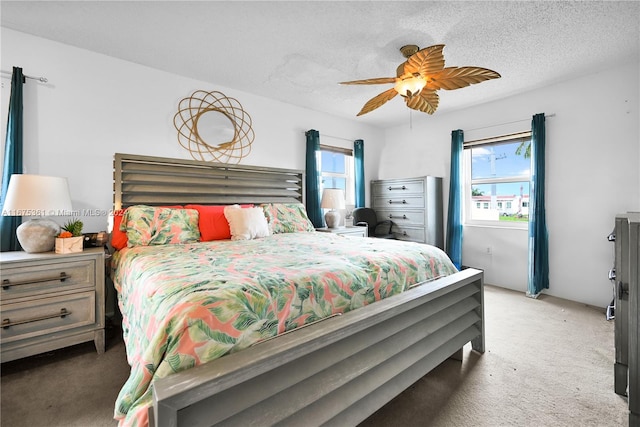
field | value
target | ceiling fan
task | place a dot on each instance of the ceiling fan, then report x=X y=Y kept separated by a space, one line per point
x=420 y=76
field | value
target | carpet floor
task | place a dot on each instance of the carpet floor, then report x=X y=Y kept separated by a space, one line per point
x=549 y=362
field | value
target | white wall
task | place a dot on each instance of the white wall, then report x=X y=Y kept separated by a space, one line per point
x=592 y=160
x=94 y=106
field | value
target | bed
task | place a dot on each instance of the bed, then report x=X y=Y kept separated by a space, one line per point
x=292 y=328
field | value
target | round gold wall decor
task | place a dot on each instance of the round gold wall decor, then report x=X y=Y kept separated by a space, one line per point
x=213 y=127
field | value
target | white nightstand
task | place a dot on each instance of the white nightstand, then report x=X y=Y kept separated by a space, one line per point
x=49 y=301
x=350 y=231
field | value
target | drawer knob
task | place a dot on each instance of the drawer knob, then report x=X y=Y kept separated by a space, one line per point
x=7 y=323
x=6 y=283
x=404 y=202
x=397 y=188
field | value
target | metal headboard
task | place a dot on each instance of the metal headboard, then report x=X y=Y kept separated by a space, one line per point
x=147 y=180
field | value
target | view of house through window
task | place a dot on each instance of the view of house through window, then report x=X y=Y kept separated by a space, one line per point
x=497 y=175
x=336 y=170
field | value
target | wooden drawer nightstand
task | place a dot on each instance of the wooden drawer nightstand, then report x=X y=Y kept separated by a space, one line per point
x=348 y=231
x=49 y=301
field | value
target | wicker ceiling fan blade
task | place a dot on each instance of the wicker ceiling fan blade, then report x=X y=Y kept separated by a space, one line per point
x=426 y=101
x=426 y=61
x=376 y=81
x=378 y=101
x=458 y=77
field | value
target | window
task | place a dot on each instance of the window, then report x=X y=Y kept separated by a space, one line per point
x=497 y=173
x=336 y=171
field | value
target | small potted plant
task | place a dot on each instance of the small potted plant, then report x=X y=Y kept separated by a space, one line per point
x=70 y=239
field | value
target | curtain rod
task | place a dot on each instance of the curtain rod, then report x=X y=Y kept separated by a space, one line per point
x=510 y=137
x=507 y=123
x=40 y=79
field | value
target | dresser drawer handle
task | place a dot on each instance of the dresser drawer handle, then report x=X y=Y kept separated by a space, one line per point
x=400 y=217
x=6 y=283
x=7 y=323
x=622 y=289
x=397 y=188
x=404 y=202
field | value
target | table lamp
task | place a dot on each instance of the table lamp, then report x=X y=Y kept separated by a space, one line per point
x=37 y=196
x=332 y=198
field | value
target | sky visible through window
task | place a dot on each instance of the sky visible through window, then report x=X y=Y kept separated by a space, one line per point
x=500 y=161
x=333 y=163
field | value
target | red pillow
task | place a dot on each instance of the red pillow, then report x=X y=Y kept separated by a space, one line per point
x=212 y=222
x=119 y=238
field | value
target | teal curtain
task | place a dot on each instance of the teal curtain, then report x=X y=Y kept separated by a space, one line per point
x=358 y=166
x=454 y=216
x=12 y=160
x=312 y=184
x=538 y=237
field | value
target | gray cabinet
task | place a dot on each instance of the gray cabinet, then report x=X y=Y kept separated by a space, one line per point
x=414 y=205
x=49 y=301
x=627 y=312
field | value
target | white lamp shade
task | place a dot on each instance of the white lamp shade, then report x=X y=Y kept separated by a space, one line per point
x=332 y=198
x=37 y=195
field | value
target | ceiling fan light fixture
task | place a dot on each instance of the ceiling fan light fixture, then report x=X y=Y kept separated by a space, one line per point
x=410 y=86
x=420 y=77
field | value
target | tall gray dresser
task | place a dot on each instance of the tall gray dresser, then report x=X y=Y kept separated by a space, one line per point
x=627 y=312
x=414 y=205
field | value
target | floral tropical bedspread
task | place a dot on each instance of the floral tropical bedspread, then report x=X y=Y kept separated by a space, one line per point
x=184 y=305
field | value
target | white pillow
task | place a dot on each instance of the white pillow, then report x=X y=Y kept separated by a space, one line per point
x=246 y=223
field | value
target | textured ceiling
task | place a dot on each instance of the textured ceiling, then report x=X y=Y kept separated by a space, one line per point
x=297 y=52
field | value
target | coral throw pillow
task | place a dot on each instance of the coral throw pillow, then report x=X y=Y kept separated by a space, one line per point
x=212 y=222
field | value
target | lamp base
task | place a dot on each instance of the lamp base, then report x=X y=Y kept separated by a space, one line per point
x=37 y=235
x=332 y=218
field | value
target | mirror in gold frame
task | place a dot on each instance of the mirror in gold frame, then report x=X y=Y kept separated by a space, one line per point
x=214 y=127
